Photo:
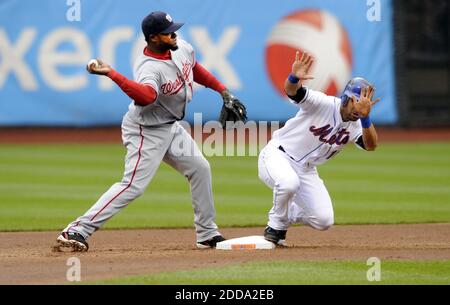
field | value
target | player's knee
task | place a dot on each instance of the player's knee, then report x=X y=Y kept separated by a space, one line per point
x=136 y=192
x=262 y=175
x=289 y=185
x=202 y=167
x=324 y=221
x=133 y=190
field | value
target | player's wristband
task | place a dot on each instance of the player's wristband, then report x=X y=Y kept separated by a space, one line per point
x=293 y=79
x=365 y=122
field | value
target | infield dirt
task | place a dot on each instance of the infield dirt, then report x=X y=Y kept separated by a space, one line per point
x=27 y=258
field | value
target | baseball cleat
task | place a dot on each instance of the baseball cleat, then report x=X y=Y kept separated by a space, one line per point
x=75 y=241
x=210 y=243
x=278 y=237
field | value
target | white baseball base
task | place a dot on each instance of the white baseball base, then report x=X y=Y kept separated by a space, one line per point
x=246 y=243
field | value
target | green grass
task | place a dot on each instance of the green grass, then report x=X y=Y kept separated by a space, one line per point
x=302 y=273
x=43 y=187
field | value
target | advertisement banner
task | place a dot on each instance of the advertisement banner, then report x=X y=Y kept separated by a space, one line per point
x=248 y=45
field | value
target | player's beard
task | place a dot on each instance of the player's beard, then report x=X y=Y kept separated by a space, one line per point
x=168 y=46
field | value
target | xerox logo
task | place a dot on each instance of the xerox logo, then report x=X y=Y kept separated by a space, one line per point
x=318 y=33
x=57 y=58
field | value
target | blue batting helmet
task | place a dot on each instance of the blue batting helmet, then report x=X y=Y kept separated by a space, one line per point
x=353 y=88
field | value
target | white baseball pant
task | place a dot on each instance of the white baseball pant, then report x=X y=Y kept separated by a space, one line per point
x=299 y=195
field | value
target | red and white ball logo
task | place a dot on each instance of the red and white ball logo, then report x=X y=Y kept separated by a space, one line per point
x=321 y=35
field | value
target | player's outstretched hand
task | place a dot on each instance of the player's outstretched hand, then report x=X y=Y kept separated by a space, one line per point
x=302 y=66
x=98 y=67
x=365 y=103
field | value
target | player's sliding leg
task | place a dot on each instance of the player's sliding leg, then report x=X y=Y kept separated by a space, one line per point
x=276 y=172
x=312 y=204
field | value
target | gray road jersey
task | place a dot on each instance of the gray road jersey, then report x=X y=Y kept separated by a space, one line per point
x=173 y=82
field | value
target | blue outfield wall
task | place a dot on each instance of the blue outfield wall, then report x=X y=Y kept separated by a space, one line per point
x=249 y=45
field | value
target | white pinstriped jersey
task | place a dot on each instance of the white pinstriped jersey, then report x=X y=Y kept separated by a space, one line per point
x=173 y=82
x=317 y=132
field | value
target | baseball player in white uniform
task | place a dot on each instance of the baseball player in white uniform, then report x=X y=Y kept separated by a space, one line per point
x=163 y=85
x=318 y=132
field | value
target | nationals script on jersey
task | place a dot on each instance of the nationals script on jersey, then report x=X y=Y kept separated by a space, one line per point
x=172 y=81
x=317 y=131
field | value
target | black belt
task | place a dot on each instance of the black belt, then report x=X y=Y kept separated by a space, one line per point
x=282 y=149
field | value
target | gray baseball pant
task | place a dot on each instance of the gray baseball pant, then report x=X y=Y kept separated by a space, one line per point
x=146 y=148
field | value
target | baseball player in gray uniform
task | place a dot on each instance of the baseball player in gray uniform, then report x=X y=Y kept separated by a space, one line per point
x=163 y=85
x=318 y=132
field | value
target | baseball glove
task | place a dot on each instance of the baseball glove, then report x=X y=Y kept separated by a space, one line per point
x=232 y=109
